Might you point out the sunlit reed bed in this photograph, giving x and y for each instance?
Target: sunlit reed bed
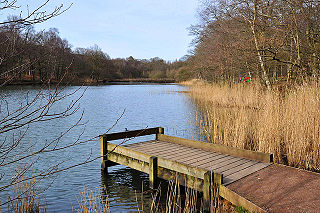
(284, 121)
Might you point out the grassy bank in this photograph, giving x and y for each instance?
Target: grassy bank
(284, 121)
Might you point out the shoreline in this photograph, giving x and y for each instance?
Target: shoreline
(96, 83)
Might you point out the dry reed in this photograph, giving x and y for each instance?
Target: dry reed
(92, 202)
(285, 122)
(24, 198)
(188, 201)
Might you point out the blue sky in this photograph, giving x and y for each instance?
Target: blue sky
(122, 28)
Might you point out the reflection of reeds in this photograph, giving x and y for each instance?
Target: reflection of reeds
(283, 122)
(91, 202)
(185, 200)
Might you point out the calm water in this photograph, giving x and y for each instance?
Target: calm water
(144, 105)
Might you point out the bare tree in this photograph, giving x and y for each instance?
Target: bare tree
(31, 16)
(19, 156)
(262, 38)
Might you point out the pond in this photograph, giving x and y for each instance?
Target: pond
(138, 106)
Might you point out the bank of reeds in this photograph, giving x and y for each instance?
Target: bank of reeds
(284, 121)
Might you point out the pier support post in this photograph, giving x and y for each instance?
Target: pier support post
(210, 181)
(153, 172)
(161, 131)
(207, 181)
(103, 153)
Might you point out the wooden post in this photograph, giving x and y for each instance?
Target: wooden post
(103, 152)
(153, 172)
(161, 131)
(217, 178)
(210, 181)
(207, 180)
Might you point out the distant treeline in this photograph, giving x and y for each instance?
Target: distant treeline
(269, 40)
(29, 56)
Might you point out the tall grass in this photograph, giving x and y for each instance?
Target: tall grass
(284, 121)
(24, 199)
(91, 201)
(178, 202)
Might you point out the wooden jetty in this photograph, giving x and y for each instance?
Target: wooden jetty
(245, 178)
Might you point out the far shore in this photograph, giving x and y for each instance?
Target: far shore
(94, 82)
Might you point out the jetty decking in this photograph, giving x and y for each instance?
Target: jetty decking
(239, 174)
(231, 168)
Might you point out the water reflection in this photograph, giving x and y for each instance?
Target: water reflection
(126, 189)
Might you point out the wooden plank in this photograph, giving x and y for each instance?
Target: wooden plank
(131, 134)
(244, 172)
(175, 153)
(163, 147)
(237, 200)
(181, 168)
(185, 180)
(240, 168)
(129, 162)
(150, 143)
(187, 156)
(128, 152)
(219, 163)
(139, 143)
(169, 152)
(216, 159)
(201, 157)
(179, 157)
(259, 156)
(231, 166)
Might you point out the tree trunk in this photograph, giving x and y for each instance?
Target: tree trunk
(262, 65)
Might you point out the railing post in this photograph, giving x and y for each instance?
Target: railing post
(153, 172)
(161, 131)
(103, 152)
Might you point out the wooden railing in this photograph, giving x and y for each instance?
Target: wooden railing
(131, 134)
(104, 149)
